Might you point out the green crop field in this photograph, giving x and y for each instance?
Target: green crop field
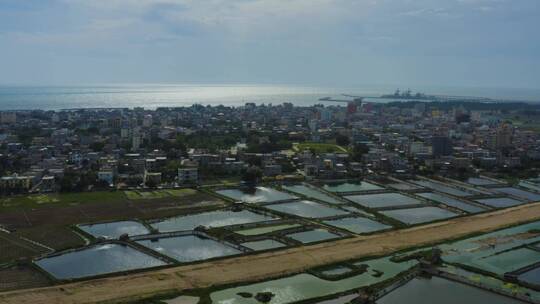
(159, 194)
(58, 199)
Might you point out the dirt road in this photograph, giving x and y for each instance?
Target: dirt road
(267, 265)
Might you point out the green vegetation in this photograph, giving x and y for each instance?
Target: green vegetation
(13, 247)
(37, 200)
(526, 122)
(48, 218)
(157, 194)
(358, 152)
(319, 147)
(227, 182)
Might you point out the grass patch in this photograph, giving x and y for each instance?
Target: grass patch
(132, 195)
(181, 192)
(13, 247)
(58, 199)
(43, 199)
(18, 277)
(157, 194)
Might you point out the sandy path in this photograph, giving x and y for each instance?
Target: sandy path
(267, 265)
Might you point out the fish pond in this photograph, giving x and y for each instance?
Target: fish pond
(259, 195)
(493, 251)
(479, 181)
(189, 248)
(500, 202)
(529, 196)
(531, 277)
(312, 236)
(97, 260)
(266, 229)
(313, 193)
(440, 187)
(304, 286)
(114, 230)
(263, 245)
(306, 209)
(351, 187)
(358, 224)
(507, 261)
(382, 200)
(452, 202)
(218, 218)
(419, 215)
(441, 291)
(403, 186)
(530, 185)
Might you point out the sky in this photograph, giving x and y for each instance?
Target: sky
(471, 43)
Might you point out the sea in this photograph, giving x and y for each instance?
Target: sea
(151, 96)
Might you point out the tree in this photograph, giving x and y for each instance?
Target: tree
(252, 175)
(358, 151)
(151, 184)
(342, 140)
(97, 146)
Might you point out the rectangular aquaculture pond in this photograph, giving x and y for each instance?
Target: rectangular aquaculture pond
(357, 224)
(303, 287)
(529, 196)
(312, 236)
(441, 291)
(307, 209)
(351, 187)
(97, 260)
(189, 248)
(266, 229)
(530, 185)
(507, 261)
(257, 195)
(442, 188)
(403, 186)
(531, 277)
(482, 247)
(500, 202)
(218, 218)
(479, 181)
(381, 200)
(313, 193)
(452, 202)
(263, 245)
(114, 230)
(419, 215)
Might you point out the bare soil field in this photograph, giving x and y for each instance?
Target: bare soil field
(12, 247)
(48, 223)
(268, 265)
(18, 277)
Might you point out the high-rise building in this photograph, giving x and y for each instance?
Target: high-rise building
(8, 117)
(503, 139)
(351, 107)
(441, 146)
(135, 140)
(147, 121)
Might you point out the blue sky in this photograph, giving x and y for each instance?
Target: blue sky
(487, 43)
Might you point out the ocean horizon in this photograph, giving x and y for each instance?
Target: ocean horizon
(151, 96)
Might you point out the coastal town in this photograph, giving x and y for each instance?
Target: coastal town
(269, 152)
(89, 149)
(370, 200)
